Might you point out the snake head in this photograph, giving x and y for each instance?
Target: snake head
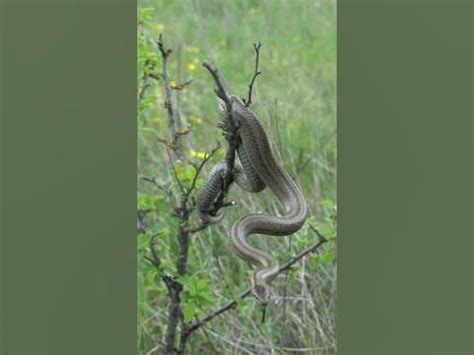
(262, 293)
(237, 103)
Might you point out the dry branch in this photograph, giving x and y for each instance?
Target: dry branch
(221, 92)
(165, 52)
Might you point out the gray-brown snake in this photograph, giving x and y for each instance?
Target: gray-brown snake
(259, 170)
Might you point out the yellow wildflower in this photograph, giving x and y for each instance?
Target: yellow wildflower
(195, 154)
(191, 66)
(160, 27)
(252, 11)
(195, 120)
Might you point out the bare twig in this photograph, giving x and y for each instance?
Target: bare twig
(256, 73)
(221, 92)
(201, 226)
(146, 79)
(167, 191)
(175, 173)
(165, 52)
(182, 85)
(145, 85)
(196, 325)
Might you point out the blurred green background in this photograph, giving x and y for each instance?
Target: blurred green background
(295, 98)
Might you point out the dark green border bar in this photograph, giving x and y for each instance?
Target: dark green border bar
(68, 168)
(405, 240)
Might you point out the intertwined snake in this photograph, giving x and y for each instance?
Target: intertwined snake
(258, 169)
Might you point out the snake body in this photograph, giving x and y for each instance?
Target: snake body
(260, 170)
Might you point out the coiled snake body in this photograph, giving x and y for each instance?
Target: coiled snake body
(260, 170)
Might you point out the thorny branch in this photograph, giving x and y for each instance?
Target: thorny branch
(196, 325)
(165, 52)
(182, 210)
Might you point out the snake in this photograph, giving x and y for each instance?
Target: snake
(257, 169)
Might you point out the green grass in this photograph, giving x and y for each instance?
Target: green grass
(295, 98)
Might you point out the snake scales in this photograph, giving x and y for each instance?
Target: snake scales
(257, 169)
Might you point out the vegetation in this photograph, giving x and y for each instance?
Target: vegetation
(185, 270)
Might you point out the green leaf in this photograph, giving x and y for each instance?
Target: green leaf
(144, 15)
(185, 280)
(328, 205)
(315, 262)
(191, 288)
(327, 258)
(142, 241)
(156, 199)
(206, 300)
(189, 310)
(144, 201)
(164, 232)
(202, 285)
(293, 273)
(150, 277)
(188, 174)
